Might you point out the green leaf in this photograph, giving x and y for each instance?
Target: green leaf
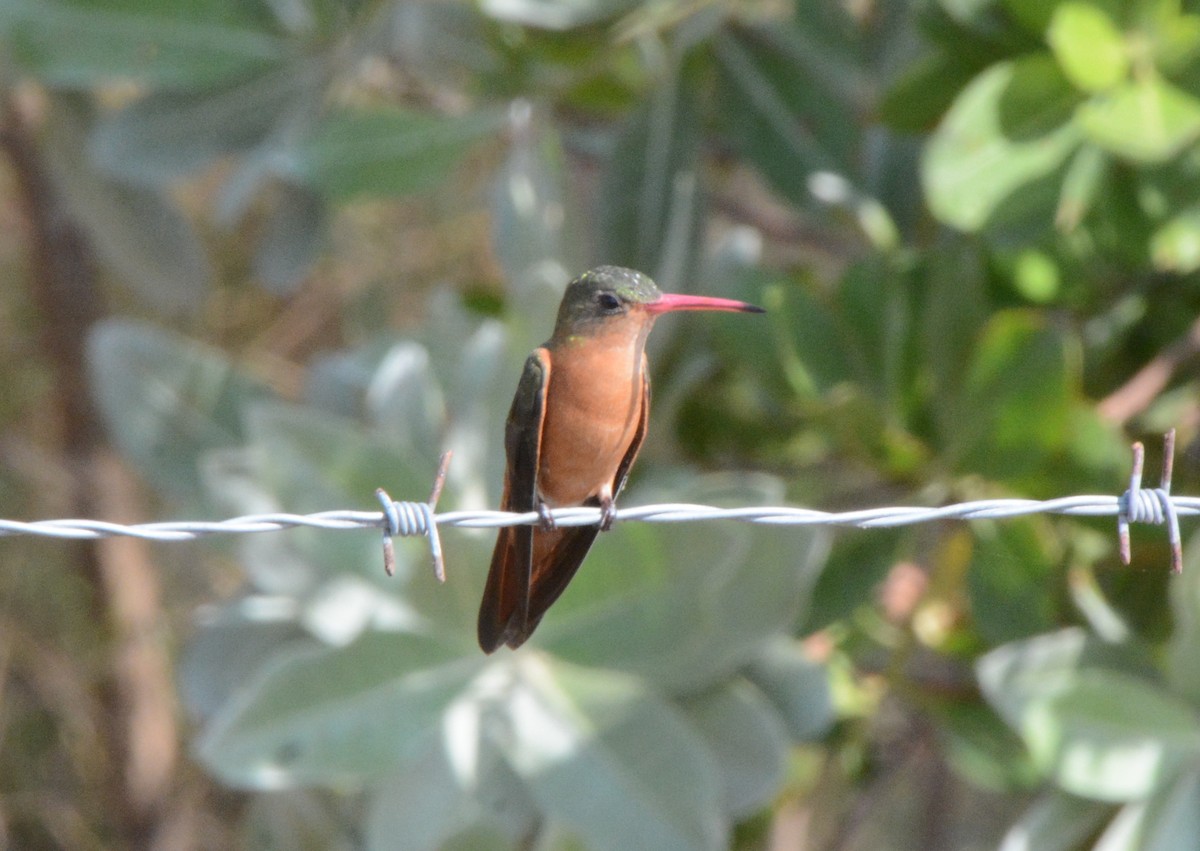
(293, 237)
(924, 91)
(166, 400)
(856, 566)
(1088, 46)
(1010, 580)
(955, 309)
(320, 716)
(604, 755)
(555, 14)
(814, 351)
(1182, 671)
(650, 198)
(170, 134)
(1146, 120)
(313, 459)
(430, 805)
(1014, 411)
(229, 646)
(1056, 821)
(1110, 736)
(797, 686)
(1010, 128)
(531, 221)
(988, 754)
(685, 606)
(1017, 675)
(404, 400)
(1175, 246)
(1081, 184)
(1034, 15)
(876, 312)
(781, 109)
(748, 739)
(171, 44)
(389, 151)
(1172, 815)
(1090, 713)
(294, 819)
(1174, 35)
(140, 235)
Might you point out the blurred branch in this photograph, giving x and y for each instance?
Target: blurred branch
(1136, 394)
(136, 712)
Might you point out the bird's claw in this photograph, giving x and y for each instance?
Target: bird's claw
(545, 521)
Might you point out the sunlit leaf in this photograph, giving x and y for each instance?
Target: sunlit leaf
(1175, 247)
(685, 605)
(1056, 821)
(1088, 46)
(554, 14)
(1146, 120)
(1080, 186)
(606, 756)
(1110, 736)
(321, 716)
(1009, 128)
(1014, 676)
(1172, 814)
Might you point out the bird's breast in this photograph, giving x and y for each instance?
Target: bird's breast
(593, 404)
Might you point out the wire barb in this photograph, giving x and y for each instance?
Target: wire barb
(414, 518)
(1151, 505)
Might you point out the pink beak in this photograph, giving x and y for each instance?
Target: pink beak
(676, 301)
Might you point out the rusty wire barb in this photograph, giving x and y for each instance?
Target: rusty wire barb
(1135, 505)
(1151, 505)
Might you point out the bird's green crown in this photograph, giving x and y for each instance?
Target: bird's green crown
(602, 292)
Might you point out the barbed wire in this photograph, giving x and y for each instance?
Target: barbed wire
(403, 519)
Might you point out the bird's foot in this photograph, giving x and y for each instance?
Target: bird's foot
(545, 521)
(608, 514)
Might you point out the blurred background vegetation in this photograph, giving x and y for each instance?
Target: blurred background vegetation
(273, 254)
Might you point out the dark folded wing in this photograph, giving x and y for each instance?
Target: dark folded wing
(504, 611)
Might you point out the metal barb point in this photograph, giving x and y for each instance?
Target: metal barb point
(414, 518)
(1138, 505)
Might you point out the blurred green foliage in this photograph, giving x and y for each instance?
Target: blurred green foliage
(971, 222)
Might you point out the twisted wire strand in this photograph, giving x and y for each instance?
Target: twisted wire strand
(418, 517)
(1135, 505)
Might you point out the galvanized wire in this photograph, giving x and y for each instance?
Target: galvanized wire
(1135, 505)
(673, 512)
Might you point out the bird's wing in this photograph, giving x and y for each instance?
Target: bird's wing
(504, 611)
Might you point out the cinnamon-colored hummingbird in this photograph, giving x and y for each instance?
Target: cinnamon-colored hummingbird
(574, 429)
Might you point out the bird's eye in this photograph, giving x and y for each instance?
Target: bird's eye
(608, 302)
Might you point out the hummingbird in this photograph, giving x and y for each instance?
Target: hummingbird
(575, 427)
